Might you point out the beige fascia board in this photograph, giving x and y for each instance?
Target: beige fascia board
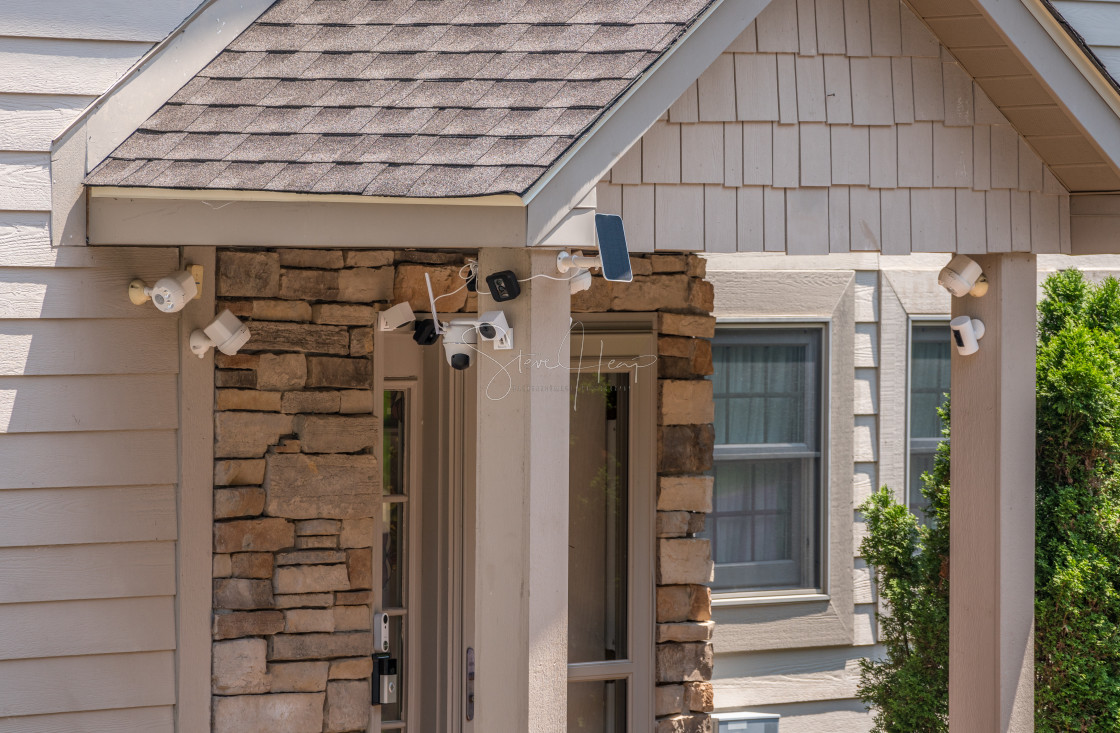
(222, 195)
(1093, 223)
(308, 222)
(1062, 67)
(581, 167)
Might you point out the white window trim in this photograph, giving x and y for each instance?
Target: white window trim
(748, 597)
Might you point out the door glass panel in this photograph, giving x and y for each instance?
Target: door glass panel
(394, 425)
(392, 571)
(598, 582)
(597, 707)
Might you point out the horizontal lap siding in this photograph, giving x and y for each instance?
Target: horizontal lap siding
(88, 407)
(878, 139)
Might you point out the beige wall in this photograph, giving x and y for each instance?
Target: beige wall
(844, 128)
(88, 407)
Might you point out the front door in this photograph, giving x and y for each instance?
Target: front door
(425, 584)
(610, 557)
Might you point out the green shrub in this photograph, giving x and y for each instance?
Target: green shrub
(908, 689)
(1077, 571)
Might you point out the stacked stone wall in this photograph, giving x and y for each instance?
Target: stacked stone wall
(674, 287)
(297, 479)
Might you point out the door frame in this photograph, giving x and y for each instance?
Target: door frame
(627, 343)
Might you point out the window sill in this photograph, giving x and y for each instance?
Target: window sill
(736, 600)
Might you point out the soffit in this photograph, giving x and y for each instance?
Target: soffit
(399, 98)
(1049, 125)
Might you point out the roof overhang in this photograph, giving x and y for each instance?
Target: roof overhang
(556, 211)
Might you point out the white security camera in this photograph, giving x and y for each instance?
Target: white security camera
(170, 294)
(967, 331)
(459, 339)
(963, 276)
(227, 333)
(395, 317)
(493, 326)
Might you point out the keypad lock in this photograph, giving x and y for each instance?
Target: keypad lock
(385, 681)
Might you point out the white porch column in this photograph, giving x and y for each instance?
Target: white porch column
(521, 554)
(991, 612)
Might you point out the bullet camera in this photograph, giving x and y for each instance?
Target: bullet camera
(226, 332)
(963, 276)
(462, 334)
(170, 294)
(967, 331)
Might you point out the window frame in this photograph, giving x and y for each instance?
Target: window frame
(802, 293)
(912, 321)
(744, 716)
(823, 327)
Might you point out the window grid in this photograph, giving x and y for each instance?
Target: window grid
(765, 523)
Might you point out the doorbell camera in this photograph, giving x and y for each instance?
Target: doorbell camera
(226, 332)
(170, 294)
(967, 332)
(380, 633)
(459, 339)
(963, 276)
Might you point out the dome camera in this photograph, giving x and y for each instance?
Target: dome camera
(963, 276)
(226, 332)
(459, 339)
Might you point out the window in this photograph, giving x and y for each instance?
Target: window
(929, 385)
(746, 723)
(766, 523)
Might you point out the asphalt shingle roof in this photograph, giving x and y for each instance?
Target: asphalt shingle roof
(420, 98)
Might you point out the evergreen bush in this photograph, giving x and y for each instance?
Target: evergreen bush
(1077, 551)
(908, 689)
(1077, 572)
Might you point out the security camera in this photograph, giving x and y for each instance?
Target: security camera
(170, 294)
(967, 331)
(963, 276)
(459, 339)
(227, 333)
(395, 317)
(493, 326)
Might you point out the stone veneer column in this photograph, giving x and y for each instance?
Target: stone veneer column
(674, 286)
(297, 484)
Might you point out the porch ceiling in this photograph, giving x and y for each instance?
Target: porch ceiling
(1036, 72)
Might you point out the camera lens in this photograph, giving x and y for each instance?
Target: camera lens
(487, 331)
(460, 361)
